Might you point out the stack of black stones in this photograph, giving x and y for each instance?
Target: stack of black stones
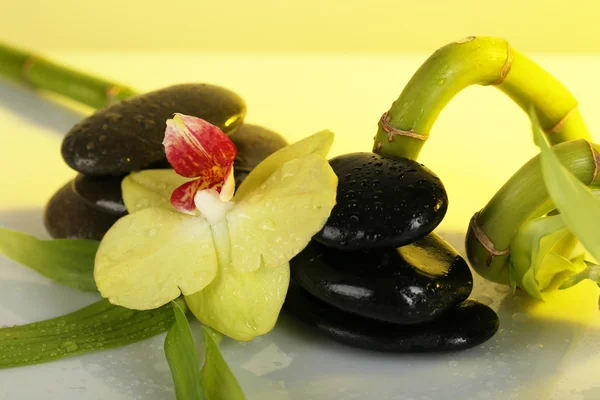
(376, 276)
(126, 137)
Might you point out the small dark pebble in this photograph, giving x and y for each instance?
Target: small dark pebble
(102, 193)
(468, 325)
(382, 202)
(128, 136)
(408, 285)
(68, 216)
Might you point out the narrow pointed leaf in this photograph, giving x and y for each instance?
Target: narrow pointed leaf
(99, 326)
(578, 206)
(183, 358)
(69, 262)
(218, 380)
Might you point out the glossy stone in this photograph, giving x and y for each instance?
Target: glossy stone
(102, 193)
(382, 202)
(128, 136)
(408, 285)
(467, 325)
(68, 216)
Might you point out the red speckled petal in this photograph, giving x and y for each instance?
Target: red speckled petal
(183, 197)
(196, 148)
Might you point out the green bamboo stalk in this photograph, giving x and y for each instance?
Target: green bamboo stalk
(476, 61)
(522, 198)
(27, 68)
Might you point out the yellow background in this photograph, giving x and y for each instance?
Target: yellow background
(300, 25)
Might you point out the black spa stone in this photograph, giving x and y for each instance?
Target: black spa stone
(101, 192)
(467, 325)
(128, 136)
(407, 285)
(382, 202)
(68, 216)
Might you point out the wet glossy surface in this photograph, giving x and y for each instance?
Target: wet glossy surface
(408, 285)
(466, 326)
(382, 202)
(128, 135)
(102, 193)
(68, 216)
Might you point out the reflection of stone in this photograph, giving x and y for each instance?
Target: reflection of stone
(269, 359)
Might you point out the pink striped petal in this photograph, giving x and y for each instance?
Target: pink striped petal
(196, 148)
(182, 198)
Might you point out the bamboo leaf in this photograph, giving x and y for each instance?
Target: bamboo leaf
(183, 358)
(99, 326)
(69, 262)
(219, 381)
(578, 206)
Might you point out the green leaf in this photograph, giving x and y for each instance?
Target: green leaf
(578, 206)
(591, 272)
(183, 358)
(219, 382)
(99, 326)
(70, 262)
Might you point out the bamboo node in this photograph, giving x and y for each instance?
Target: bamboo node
(506, 67)
(596, 158)
(560, 124)
(27, 66)
(392, 132)
(485, 240)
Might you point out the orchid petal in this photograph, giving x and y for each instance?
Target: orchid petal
(195, 148)
(275, 222)
(228, 187)
(242, 305)
(150, 257)
(318, 143)
(150, 188)
(183, 197)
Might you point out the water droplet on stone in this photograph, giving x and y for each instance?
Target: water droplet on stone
(453, 363)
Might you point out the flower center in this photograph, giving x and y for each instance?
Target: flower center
(210, 205)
